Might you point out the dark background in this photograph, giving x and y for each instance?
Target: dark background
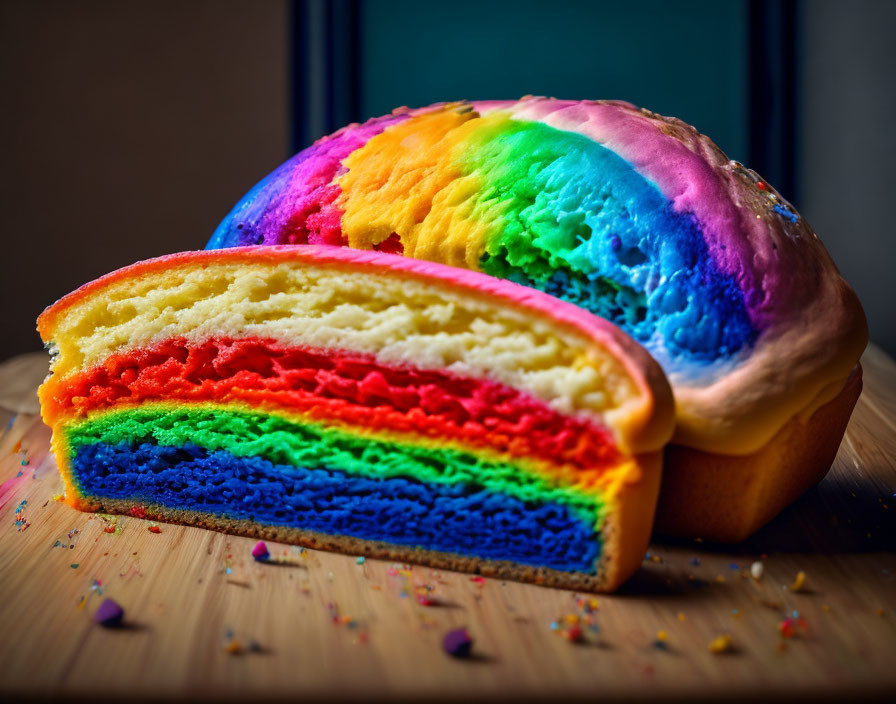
(130, 128)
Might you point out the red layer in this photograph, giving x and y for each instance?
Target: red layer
(337, 386)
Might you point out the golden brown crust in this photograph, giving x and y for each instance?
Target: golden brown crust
(627, 532)
(726, 498)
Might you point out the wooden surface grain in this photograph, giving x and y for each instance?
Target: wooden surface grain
(322, 626)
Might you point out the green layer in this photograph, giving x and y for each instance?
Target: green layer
(282, 441)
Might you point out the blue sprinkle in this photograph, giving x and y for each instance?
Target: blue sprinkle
(734, 566)
(695, 561)
(229, 570)
(795, 613)
(360, 560)
(784, 212)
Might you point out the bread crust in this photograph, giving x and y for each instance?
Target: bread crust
(727, 498)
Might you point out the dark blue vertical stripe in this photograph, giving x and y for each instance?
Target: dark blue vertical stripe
(772, 76)
(336, 68)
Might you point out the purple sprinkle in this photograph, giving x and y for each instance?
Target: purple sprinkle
(260, 551)
(109, 614)
(457, 643)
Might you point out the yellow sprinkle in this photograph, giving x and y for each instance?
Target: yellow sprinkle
(826, 608)
(594, 604)
(720, 579)
(571, 618)
(722, 644)
(681, 616)
(799, 583)
(662, 636)
(879, 612)
(234, 647)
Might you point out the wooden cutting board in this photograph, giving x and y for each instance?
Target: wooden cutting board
(322, 626)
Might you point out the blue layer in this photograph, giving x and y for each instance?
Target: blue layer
(458, 518)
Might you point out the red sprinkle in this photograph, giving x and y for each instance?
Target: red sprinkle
(138, 511)
(155, 529)
(573, 634)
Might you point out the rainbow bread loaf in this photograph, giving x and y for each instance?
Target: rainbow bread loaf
(637, 218)
(362, 402)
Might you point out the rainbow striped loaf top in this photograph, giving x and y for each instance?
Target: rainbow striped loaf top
(632, 216)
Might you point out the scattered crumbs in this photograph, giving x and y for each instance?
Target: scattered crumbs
(74, 565)
(575, 626)
(260, 552)
(791, 627)
(457, 643)
(21, 523)
(340, 619)
(361, 560)
(425, 595)
(111, 524)
(154, 529)
(681, 616)
(722, 644)
(757, 570)
(109, 614)
(799, 582)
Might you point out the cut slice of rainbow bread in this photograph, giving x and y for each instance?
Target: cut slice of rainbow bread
(360, 402)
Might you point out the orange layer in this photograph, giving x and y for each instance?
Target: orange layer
(335, 386)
